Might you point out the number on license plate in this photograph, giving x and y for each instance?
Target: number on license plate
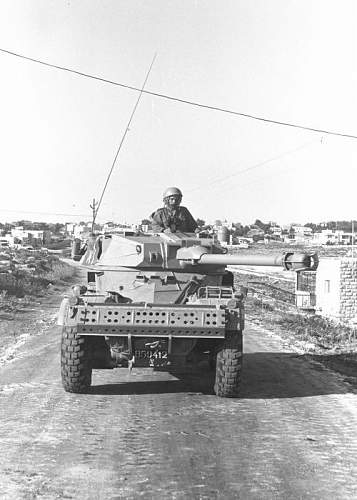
(145, 354)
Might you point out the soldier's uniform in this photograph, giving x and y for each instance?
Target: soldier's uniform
(175, 219)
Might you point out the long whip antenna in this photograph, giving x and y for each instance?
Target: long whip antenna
(95, 213)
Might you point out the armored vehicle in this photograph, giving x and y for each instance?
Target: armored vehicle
(154, 300)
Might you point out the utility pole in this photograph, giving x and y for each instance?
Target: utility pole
(353, 238)
(93, 206)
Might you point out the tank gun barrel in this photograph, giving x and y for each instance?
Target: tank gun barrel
(288, 260)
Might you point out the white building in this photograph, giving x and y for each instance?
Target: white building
(333, 237)
(82, 230)
(325, 237)
(276, 230)
(70, 227)
(25, 235)
(302, 231)
(336, 289)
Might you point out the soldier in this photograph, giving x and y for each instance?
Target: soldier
(172, 217)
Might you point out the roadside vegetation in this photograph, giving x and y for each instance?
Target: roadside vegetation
(31, 283)
(28, 274)
(270, 304)
(317, 332)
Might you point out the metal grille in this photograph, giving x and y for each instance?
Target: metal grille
(215, 292)
(192, 318)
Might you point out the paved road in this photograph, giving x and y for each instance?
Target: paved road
(292, 435)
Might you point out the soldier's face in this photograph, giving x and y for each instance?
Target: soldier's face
(173, 201)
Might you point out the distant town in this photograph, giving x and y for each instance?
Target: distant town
(24, 233)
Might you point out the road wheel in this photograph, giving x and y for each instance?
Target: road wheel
(229, 366)
(76, 366)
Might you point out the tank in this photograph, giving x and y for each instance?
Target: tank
(159, 300)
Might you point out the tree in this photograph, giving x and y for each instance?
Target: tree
(240, 230)
(313, 226)
(261, 225)
(26, 224)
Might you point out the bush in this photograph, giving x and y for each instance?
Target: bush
(21, 282)
(320, 330)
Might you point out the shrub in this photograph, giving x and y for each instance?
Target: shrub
(21, 282)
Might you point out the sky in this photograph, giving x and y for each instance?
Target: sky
(286, 60)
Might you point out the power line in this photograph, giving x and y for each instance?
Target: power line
(261, 179)
(86, 216)
(231, 186)
(183, 101)
(256, 165)
(41, 213)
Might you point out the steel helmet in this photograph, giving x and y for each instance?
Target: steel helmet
(172, 191)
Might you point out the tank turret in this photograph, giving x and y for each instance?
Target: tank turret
(179, 251)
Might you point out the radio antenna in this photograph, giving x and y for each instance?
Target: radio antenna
(95, 211)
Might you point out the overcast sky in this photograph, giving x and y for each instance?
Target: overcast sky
(292, 61)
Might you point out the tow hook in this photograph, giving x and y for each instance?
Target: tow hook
(153, 345)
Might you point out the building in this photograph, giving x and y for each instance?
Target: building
(276, 231)
(70, 228)
(336, 290)
(304, 231)
(82, 230)
(333, 237)
(347, 238)
(32, 237)
(325, 237)
(255, 233)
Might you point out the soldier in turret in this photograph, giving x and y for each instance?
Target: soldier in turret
(172, 217)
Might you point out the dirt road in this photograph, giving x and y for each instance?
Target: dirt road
(292, 434)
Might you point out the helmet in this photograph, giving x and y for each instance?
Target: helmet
(172, 191)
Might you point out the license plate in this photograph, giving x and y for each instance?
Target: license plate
(149, 351)
(144, 357)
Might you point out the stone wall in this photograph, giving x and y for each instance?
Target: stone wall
(336, 289)
(348, 290)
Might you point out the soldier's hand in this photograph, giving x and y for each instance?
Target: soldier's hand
(167, 230)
